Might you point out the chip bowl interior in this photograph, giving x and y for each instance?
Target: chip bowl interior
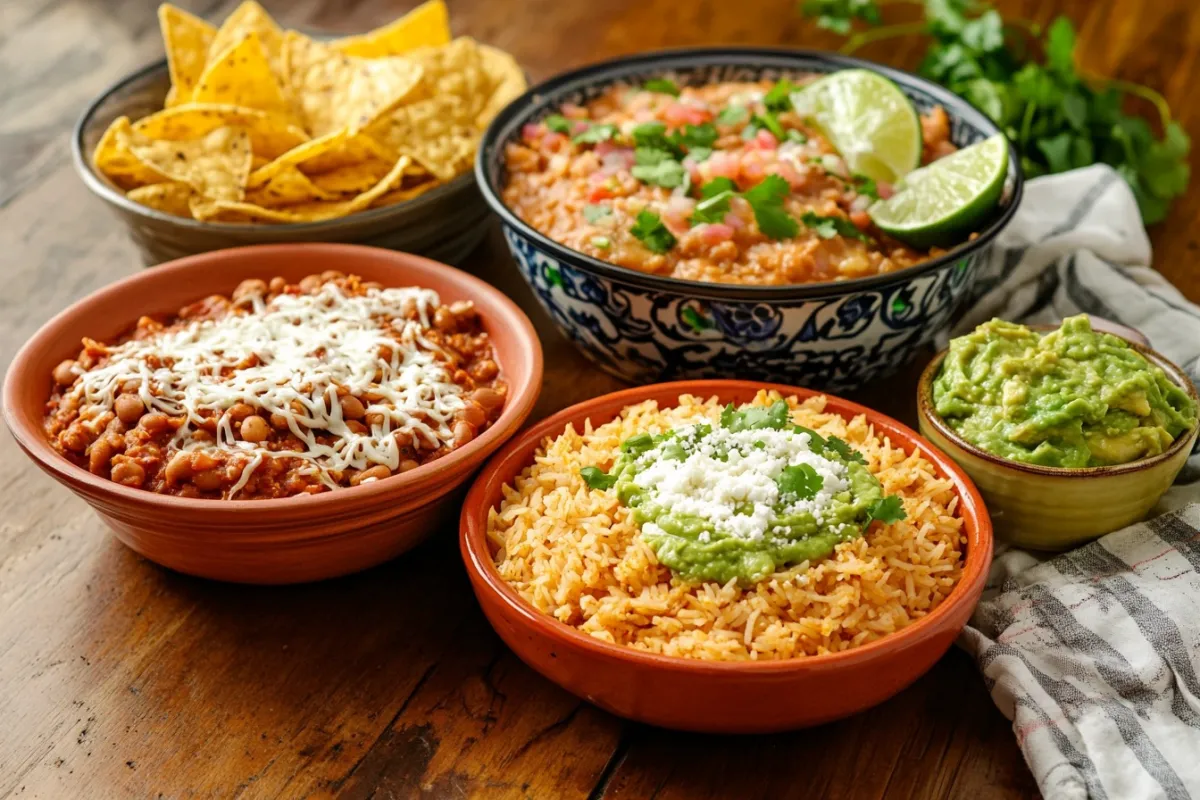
(444, 224)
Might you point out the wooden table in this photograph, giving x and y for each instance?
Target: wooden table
(120, 679)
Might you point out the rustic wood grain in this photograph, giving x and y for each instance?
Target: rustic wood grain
(119, 679)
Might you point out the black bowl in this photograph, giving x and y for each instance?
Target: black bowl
(640, 327)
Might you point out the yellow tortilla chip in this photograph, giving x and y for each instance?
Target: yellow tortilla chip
(232, 211)
(215, 165)
(186, 39)
(352, 178)
(246, 19)
(427, 25)
(508, 82)
(290, 186)
(242, 77)
(334, 150)
(270, 135)
(401, 195)
(170, 198)
(428, 131)
(113, 158)
(335, 92)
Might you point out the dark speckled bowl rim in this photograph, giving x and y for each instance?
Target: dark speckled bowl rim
(925, 410)
(99, 186)
(532, 102)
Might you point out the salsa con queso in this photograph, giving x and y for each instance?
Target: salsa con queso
(724, 182)
(1068, 398)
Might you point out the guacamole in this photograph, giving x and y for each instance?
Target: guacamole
(741, 498)
(1068, 398)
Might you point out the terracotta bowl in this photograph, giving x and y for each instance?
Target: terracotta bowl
(271, 541)
(1053, 508)
(716, 697)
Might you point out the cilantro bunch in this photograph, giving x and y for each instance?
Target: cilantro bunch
(1026, 79)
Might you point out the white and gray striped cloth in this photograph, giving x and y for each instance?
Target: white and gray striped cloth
(1095, 654)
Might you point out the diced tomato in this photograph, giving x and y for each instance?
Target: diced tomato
(554, 141)
(573, 111)
(766, 140)
(716, 232)
(789, 173)
(533, 131)
(579, 127)
(884, 189)
(601, 192)
(722, 164)
(685, 114)
(861, 219)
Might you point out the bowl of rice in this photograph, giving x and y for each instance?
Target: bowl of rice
(591, 593)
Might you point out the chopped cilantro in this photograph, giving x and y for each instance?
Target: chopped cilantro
(638, 443)
(716, 186)
(691, 136)
(844, 450)
(776, 417)
(768, 121)
(601, 242)
(712, 209)
(794, 135)
(597, 478)
(766, 198)
(779, 99)
(665, 172)
(801, 481)
(816, 440)
(829, 227)
(557, 123)
(662, 86)
(888, 509)
(596, 133)
(653, 136)
(594, 212)
(698, 154)
(649, 228)
(865, 185)
(733, 115)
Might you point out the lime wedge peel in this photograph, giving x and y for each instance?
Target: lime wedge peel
(866, 117)
(941, 203)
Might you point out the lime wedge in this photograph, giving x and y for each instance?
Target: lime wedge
(868, 119)
(940, 203)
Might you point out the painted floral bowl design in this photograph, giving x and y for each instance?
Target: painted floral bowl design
(646, 328)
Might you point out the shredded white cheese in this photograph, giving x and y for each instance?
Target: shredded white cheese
(739, 496)
(295, 350)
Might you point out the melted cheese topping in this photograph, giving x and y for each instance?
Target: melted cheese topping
(287, 357)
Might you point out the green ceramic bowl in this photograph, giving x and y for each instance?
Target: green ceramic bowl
(1053, 508)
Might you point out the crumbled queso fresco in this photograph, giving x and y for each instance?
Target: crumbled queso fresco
(731, 479)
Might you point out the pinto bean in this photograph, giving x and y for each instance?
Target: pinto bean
(484, 370)
(490, 399)
(209, 480)
(408, 464)
(444, 320)
(99, 455)
(154, 422)
(255, 429)
(463, 433)
(179, 468)
(239, 411)
(64, 373)
(129, 408)
(377, 472)
(249, 288)
(352, 407)
(127, 472)
(473, 414)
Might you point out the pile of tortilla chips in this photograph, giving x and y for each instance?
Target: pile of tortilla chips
(267, 125)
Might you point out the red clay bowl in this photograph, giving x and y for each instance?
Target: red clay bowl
(271, 541)
(716, 697)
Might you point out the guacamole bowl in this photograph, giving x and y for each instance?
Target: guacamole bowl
(712, 695)
(1056, 508)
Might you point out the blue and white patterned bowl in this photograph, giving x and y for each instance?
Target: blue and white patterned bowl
(647, 328)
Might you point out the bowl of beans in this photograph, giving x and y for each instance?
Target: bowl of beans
(275, 414)
(679, 214)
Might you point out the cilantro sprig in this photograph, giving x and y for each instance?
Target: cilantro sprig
(650, 230)
(766, 200)
(1026, 79)
(829, 227)
(662, 86)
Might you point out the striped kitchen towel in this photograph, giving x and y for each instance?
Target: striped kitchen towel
(1094, 654)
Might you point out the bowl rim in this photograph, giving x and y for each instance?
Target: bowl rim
(518, 405)
(485, 577)
(598, 73)
(928, 413)
(105, 191)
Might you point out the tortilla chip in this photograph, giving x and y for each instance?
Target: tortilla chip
(430, 133)
(246, 19)
(186, 39)
(352, 178)
(270, 135)
(402, 195)
(508, 82)
(232, 211)
(427, 25)
(334, 150)
(242, 77)
(335, 92)
(290, 186)
(170, 198)
(215, 165)
(113, 158)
